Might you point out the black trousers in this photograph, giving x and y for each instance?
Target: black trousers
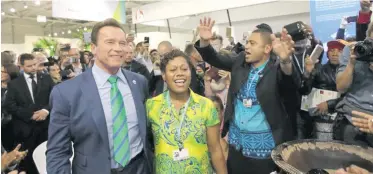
(30, 143)
(137, 165)
(239, 164)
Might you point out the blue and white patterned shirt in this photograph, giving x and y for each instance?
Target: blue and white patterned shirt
(249, 130)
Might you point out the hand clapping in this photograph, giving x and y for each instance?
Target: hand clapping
(363, 121)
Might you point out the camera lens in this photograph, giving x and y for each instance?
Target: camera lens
(317, 171)
(360, 49)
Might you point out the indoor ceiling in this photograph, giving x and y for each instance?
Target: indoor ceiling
(20, 18)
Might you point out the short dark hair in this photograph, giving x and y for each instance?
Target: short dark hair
(153, 50)
(7, 57)
(265, 26)
(171, 56)
(217, 37)
(265, 34)
(189, 49)
(12, 70)
(110, 22)
(24, 57)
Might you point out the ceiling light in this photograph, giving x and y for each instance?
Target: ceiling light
(37, 2)
(41, 18)
(55, 34)
(63, 32)
(69, 31)
(85, 28)
(12, 10)
(2, 13)
(25, 6)
(77, 29)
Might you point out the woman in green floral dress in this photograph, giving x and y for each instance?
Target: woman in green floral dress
(185, 125)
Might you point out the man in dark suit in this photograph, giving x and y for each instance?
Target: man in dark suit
(28, 102)
(102, 113)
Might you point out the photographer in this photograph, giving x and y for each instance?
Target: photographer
(354, 79)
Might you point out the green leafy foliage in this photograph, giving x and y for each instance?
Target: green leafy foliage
(48, 44)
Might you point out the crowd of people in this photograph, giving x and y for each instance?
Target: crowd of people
(122, 108)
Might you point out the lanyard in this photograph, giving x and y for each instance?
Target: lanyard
(255, 76)
(178, 131)
(296, 60)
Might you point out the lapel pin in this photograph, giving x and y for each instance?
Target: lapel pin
(134, 82)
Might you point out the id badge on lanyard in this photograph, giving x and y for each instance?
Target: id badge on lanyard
(181, 153)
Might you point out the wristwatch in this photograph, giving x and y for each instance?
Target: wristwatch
(286, 61)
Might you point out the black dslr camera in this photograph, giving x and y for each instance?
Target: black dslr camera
(297, 31)
(364, 50)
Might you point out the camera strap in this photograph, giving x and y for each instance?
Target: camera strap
(301, 69)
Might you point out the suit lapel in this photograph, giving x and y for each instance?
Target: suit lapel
(39, 84)
(25, 88)
(137, 97)
(90, 92)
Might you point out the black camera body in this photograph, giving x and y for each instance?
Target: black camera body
(297, 31)
(364, 50)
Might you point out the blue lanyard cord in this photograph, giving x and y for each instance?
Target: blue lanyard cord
(178, 131)
(255, 75)
(253, 79)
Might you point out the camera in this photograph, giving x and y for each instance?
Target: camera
(297, 31)
(364, 50)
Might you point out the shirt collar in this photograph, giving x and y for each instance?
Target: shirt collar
(102, 76)
(194, 98)
(261, 67)
(27, 76)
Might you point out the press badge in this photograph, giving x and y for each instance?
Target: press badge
(247, 103)
(180, 155)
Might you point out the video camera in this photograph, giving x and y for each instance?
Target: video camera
(297, 31)
(364, 50)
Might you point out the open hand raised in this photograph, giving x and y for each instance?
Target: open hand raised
(205, 28)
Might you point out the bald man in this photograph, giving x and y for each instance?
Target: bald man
(164, 47)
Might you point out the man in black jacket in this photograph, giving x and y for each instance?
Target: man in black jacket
(133, 65)
(255, 115)
(28, 102)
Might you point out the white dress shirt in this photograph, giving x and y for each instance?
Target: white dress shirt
(29, 85)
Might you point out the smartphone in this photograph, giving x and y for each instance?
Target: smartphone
(228, 32)
(316, 53)
(213, 73)
(146, 40)
(75, 60)
(352, 19)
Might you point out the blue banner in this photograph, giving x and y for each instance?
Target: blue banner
(326, 16)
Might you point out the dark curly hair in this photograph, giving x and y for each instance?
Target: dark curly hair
(171, 56)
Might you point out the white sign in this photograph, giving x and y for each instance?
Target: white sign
(172, 9)
(316, 97)
(92, 10)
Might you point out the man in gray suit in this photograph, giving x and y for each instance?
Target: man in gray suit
(102, 113)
